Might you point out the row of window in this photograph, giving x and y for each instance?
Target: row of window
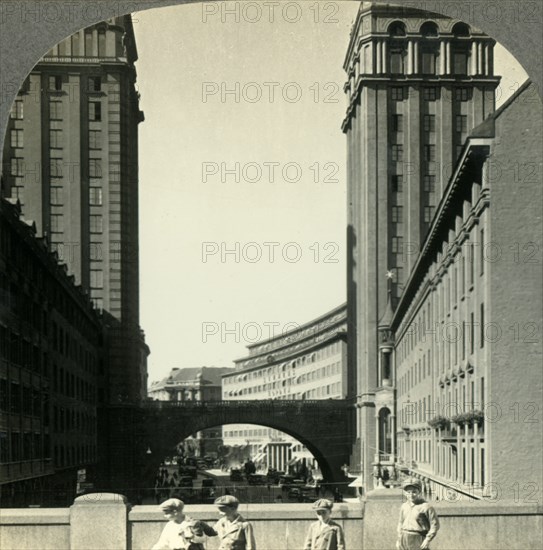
(72, 46)
(71, 455)
(32, 274)
(70, 419)
(17, 446)
(431, 93)
(71, 385)
(19, 398)
(459, 278)
(96, 223)
(285, 368)
(94, 83)
(460, 398)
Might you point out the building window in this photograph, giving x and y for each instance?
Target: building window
(397, 214)
(96, 278)
(429, 152)
(397, 123)
(482, 326)
(462, 94)
(461, 123)
(460, 62)
(96, 223)
(397, 183)
(94, 83)
(55, 196)
(56, 223)
(397, 58)
(398, 93)
(95, 168)
(17, 138)
(16, 166)
(428, 61)
(55, 83)
(88, 43)
(428, 214)
(429, 123)
(95, 196)
(55, 110)
(17, 110)
(471, 264)
(471, 333)
(55, 139)
(75, 45)
(429, 94)
(95, 139)
(429, 183)
(397, 244)
(101, 43)
(397, 152)
(55, 168)
(95, 111)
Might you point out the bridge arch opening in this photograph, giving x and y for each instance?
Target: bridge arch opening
(266, 444)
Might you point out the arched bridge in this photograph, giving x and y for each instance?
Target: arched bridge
(325, 427)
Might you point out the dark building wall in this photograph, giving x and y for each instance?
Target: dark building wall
(50, 350)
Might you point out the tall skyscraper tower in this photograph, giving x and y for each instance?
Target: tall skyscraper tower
(418, 82)
(71, 159)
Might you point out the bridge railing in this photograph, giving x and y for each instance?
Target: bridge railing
(271, 403)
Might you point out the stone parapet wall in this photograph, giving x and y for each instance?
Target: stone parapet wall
(106, 522)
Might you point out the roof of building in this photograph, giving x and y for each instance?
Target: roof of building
(487, 128)
(210, 376)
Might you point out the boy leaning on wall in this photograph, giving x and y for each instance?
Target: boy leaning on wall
(418, 523)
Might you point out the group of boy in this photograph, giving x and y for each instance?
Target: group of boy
(417, 526)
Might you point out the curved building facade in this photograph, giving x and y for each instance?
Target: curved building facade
(308, 362)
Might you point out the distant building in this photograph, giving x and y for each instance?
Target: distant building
(71, 159)
(51, 371)
(194, 384)
(309, 362)
(418, 83)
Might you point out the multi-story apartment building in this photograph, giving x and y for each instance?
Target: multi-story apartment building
(466, 335)
(71, 159)
(308, 362)
(51, 371)
(418, 82)
(194, 384)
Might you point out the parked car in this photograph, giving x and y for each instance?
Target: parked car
(257, 479)
(185, 481)
(285, 480)
(236, 475)
(274, 475)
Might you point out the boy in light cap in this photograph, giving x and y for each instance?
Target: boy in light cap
(181, 532)
(235, 533)
(324, 534)
(418, 523)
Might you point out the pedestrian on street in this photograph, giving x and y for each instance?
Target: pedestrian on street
(233, 530)
(181, 532)
(418, 523)
(324, 534)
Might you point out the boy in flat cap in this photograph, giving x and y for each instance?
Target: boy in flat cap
(181, 532)
(418, 523)
(235, 533)
(324, 534)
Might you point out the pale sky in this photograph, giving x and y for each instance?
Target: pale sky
(282, 134)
